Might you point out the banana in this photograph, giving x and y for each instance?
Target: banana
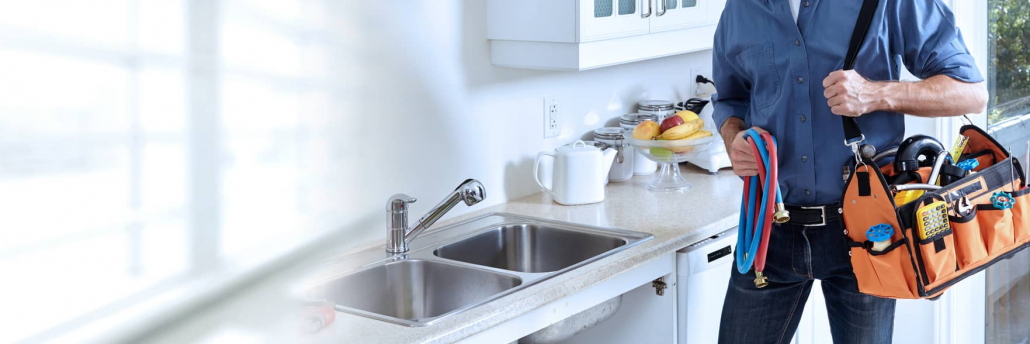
(698, 134)
(687, 115)
(683, 130)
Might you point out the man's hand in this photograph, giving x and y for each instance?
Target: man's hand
(850, 94)
(739, 150)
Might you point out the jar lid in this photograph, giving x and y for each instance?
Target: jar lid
(655, 105)
(609, 133)
(582, 146)
(633, 119)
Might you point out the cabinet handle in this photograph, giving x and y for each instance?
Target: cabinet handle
(648, 14)
(663, 7)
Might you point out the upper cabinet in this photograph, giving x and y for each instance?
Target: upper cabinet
(587, 34)
(682, 14)
(605, 19)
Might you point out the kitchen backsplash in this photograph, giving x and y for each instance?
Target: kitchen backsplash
(427, 109)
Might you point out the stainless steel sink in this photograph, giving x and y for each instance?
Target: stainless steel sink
(530, 247)
(458, 267)
(414, 289)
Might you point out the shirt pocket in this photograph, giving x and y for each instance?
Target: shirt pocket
(760, 65)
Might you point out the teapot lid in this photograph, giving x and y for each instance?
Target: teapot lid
(582, 147)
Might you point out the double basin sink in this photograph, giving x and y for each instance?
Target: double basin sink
(458, 267)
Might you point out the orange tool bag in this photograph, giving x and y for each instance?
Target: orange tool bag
(945, 235)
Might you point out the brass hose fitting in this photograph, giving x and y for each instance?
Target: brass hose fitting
(760, 280)
(782, 215)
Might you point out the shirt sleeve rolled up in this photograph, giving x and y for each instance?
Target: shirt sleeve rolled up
(923, 32)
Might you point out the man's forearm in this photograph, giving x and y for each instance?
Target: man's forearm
(937, 96)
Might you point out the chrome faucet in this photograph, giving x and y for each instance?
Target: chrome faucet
(398, 234)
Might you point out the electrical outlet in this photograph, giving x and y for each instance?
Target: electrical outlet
(552, 117)
(702, 90)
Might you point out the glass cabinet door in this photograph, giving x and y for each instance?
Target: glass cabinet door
(605, 19)
(681, 14)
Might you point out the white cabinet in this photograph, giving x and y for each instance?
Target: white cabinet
(682, 14)
(587, 34)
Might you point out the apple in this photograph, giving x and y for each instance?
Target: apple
(646, 130)
(671, 122)
(661, 153)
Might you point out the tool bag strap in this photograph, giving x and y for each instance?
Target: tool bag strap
(852, 133)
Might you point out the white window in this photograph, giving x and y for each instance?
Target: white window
(1008, 119)
(147, 143)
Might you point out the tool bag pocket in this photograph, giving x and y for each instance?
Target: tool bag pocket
(1021, 215)
(887, 273)
(969, 243)
(937, 258)
(996, 228)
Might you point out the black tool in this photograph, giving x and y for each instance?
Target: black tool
(915, 152)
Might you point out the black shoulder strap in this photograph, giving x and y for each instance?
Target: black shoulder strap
(852, 133)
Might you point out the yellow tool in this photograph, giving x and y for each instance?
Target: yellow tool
(960, 145)
(933, 219)
(906, 196)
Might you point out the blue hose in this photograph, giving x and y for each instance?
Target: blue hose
(751, 224)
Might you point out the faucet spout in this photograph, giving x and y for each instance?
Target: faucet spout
(470, 192)
(399, 235)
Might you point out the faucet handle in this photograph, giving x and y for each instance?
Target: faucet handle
(399, 203)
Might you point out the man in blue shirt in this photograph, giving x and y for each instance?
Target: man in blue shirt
(777, 67)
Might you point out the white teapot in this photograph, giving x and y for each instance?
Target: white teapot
(579, 174)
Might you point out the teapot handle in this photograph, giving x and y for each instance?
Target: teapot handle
(536, 170)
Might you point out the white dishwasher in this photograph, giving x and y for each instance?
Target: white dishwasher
(702, 274)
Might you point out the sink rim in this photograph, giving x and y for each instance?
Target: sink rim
(370, 258)
(627, 237)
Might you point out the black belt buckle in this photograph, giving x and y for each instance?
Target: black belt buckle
(822, 216)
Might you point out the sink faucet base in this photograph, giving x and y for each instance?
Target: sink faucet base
(398, 234)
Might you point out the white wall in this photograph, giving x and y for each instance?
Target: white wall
(429, 110)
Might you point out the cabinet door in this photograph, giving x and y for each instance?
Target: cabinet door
(604, 19)
(681, 14)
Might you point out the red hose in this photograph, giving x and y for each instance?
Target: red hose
(763, 246)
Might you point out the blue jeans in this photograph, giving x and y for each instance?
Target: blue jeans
(798, 256)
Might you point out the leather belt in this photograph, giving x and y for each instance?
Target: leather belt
(815, 215)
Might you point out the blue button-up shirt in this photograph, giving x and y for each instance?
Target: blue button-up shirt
(768, 70)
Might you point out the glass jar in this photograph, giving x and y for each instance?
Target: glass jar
(622, 167)
(641, 164)
(661, 108)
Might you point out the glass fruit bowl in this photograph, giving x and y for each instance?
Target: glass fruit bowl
(669, 153)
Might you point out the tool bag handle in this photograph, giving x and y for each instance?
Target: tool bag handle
(852, 133)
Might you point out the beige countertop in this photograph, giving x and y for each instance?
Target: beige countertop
(676, 220)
